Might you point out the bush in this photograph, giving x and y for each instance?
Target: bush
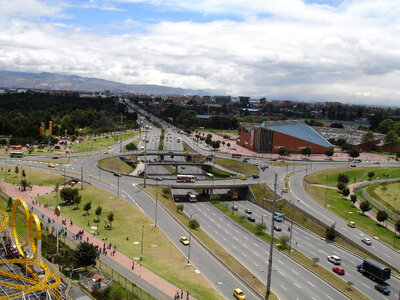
(353, 198)
(341, 186)
(397, 226)
(365, 206)
(194, 224)
(130, 147)
(345, 192)
(260, 228)
(343, 178)
(381, 215)
(330, 233)
(370, 175)
(179, 207)
(166, 190)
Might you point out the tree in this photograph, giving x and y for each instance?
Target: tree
(370, 175)
(16, 170)
(86, 254)
(365, 206)
(77, 200)
(330, 232)
(215, 144)
(353, 198)
(229, 145)
(10, 203)
(284, 240)
(194, 224)
(260, 228)
(341, 186)
(23, 173)
(68, 194)
(283, 151)
(391, 139)
(98, 211)
(345, 192)
(354, 153)
(209, 139)
(329, 153)
(381, 216)
(179, 208)
(315, 260)
(130, 147)
(306, 151)
(110, 218)
(368, 138)
(24, 184)
(343, 178)
(87, 207)
(386, 125)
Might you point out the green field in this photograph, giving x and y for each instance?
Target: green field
(114, 164)
(234, 132)
(102, 142)
(354, 174)
(385, 193)
(34, 176)
(237, 166)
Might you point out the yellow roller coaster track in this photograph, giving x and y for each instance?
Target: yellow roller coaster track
(29, 261)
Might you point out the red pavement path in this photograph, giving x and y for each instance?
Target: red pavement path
(29, 196)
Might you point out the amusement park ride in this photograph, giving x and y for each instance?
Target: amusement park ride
(23, 274)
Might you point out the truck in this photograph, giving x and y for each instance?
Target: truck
(191, 197)
(374, 270)
(232, 194)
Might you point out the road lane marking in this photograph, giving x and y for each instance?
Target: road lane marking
(281, 262)
(283, 287)
(386, 255)
(365, 285)
(297, 285)
(295, 272)
(310, 283)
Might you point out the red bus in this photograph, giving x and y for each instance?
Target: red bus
(185, 178)
(236, 155)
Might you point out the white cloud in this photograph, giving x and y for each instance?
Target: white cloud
(347, 53)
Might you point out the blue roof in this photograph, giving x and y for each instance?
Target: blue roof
(297, 129)
(203, 116)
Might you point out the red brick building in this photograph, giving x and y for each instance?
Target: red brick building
(294, 135)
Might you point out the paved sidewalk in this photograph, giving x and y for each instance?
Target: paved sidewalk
(120, 259)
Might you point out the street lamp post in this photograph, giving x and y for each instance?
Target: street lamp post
(190, 238)
(157, 179)
(141, 250)
(145, 159)
(291, 228)
(271, 244)
(326, 189)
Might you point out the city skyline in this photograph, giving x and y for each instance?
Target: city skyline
(304, 50)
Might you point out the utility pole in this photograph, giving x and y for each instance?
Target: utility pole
(326, 189)
(271, 244)
(291, 227)
(190, 237)
(141, 251)
(120, 137)
(145, 159)
(81, 178)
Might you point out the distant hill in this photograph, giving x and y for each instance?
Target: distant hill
(52, 81)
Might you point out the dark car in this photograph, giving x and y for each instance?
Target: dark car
(248, 211)
(117, 174)
(383, 289)
(251, 219)
(256, 176)
(277, 228)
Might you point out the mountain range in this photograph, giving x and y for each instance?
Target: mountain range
(53, 81)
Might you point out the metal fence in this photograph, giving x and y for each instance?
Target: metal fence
(392, 212)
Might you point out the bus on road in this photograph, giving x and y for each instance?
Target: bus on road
(236, 155)
(185, 178)
(17, 154)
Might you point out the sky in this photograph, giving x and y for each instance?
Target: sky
(306, 50)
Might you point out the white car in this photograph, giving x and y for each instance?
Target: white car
(367, 241)
(334, 259)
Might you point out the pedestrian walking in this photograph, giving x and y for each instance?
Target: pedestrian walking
(133, 265)
(187, 295)
(181, 294)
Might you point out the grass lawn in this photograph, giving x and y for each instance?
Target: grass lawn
(297, 256)
(386, 193)
(114, 164)
(34, 176)
(226, 257)
(345, 209)
(354, 174)
(159, 254)
(219, 131)
(237, 166)
(102, 142)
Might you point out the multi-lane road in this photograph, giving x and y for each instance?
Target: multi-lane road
(289, 280)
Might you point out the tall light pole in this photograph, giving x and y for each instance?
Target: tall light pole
(291, 227)
(190, 237)
(145, 159)
(120, 137)
(141, 251)
(326, 189)
(99, 166)
(157, 179)
(271, 244)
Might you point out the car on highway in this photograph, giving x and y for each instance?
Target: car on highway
(243, 177)
(351, 224)
(278, 214)
(251, 219)
(184, 240)
(234, 207)
(238, 294)
(278, 219)
(117, 174)
(106, 152)
(55, 157)
(51, 165)
(248, 211)
(383, 289)
(109, 147)
(255, 176)
(367, 241)
(277, 228)
(338, 270)
(285, 190)
(353, 166)
(334, 259)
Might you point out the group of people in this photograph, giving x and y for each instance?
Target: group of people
(179, 295)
